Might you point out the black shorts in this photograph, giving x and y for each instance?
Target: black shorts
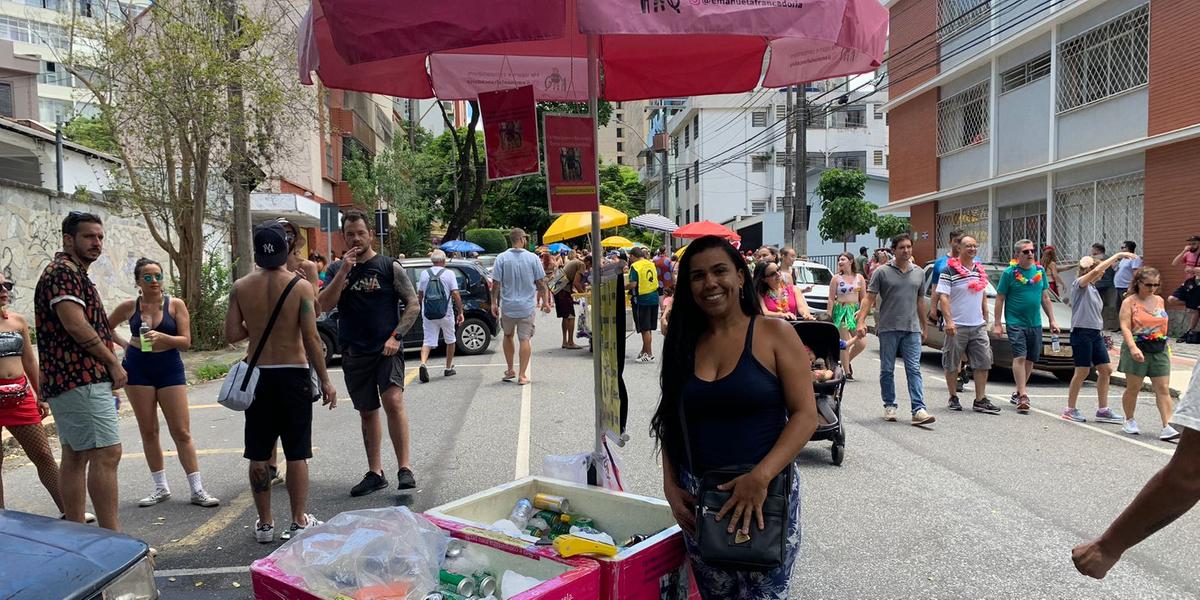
(645, 317)
(564, 304)
(282, 409)
(369, 375)
(1189, 294)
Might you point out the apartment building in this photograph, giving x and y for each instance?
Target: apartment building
(1067, 122)
(727, 155)
(622, 141)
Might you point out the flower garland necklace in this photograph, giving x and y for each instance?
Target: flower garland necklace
(978, 284)
(780, 297)
(1021, 278)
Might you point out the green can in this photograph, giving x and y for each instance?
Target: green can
(548, 516)
(485, 584)
(460, 584)
(448, 595)
(584, 523)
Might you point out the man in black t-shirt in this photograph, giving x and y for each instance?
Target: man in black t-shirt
(367, 288)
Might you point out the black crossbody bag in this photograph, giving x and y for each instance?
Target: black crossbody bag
(762, 550)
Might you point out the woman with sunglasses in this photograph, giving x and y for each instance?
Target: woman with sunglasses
(296, 262)
(156, 377)
(846, 292)
(1144, 351)
(778, 298)
(21, 406)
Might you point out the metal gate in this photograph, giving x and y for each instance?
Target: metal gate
(973, 220)
(1108, 211)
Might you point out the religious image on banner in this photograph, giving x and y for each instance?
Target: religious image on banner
(509, 132)
(570, 163)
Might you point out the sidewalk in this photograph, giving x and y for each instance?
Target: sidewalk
(1183, 360)
(191, 362)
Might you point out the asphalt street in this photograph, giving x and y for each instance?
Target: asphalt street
(974, 506)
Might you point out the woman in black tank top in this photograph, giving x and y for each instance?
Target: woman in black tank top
(747, 400)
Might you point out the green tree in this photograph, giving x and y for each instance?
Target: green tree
(845, 212)
(92, 132)
(391, 179)
(889, 226)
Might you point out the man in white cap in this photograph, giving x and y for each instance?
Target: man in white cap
(441, 311)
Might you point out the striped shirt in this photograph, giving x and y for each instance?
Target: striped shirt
(966, 306)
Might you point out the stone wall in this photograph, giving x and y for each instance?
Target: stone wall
(30, 234)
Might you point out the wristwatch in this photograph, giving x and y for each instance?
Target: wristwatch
(396, 336)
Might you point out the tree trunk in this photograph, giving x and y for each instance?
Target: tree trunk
(472, 178)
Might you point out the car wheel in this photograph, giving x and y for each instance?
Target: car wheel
(473, 337)
(327, 348)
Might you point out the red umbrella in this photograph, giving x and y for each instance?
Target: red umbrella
(700, 229)
(455, 49)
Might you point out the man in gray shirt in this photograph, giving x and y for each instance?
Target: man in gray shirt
(896, 288)
(518, 288)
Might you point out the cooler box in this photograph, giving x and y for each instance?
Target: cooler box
(653, 568)
(565, 578)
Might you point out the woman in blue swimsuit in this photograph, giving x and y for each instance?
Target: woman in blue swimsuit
(746, 401)
(156, 378)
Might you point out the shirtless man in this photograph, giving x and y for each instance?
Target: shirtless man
(282, 407)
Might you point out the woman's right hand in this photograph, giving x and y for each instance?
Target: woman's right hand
(1137, 355)
(683, 506)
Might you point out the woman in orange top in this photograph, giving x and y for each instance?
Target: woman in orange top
(1144, 351)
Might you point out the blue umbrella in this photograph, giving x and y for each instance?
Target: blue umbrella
(558, 247)
(461, 246)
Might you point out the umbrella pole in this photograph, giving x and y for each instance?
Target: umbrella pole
(597, 253)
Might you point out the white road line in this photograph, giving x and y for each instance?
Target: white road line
(1122, 437)
(522, 467)
(194, 572)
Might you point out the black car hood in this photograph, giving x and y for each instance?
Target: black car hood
(42, 557)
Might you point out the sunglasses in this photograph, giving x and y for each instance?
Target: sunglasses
(7, 285)
(773, 274)
(1152, 285)
(152, 277)
(1028, 251)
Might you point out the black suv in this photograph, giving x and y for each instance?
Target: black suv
(474, 335)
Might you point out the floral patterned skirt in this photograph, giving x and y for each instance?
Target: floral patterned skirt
(743, 585)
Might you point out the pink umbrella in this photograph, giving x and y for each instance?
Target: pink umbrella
(455, 49)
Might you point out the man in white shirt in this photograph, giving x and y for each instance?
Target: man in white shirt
(449, 304)
(1170, 494)
(962, 293)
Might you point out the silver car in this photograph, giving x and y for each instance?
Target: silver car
(1060, 363)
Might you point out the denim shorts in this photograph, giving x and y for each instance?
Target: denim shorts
(1026, 342)
(1088, 348)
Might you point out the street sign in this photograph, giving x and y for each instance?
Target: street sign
(331, 218)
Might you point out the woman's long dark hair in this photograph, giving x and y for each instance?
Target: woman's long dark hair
(761, 285)
(684, 328)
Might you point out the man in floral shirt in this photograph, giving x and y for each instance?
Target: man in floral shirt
(80, 371)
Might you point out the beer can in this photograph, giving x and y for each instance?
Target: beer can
(548, 516)
(584, 523)
(552, 502)
(431, 596)
(460, 584)
(485, 584)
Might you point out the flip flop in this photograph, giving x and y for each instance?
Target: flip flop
(524, 381)
(509, 376)
(573, 347)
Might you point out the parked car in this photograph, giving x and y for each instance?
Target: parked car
(816, 276)
(51, 558)
(1060, 363)
(474, 335)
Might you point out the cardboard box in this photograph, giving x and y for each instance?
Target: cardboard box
(653, 569)
(564, 578)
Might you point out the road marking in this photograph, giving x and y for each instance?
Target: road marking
(224, 517)
(199, 452)
(201, 406)
(412, 374)
(195, 572)
(1122, 437)
(522, 467)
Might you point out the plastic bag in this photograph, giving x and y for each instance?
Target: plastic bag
(567, 467)
(374, 554)
(582, 330)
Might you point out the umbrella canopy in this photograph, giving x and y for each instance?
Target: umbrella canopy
(460, 246)
(616, 241)
(679, 252)
(702, 228)
(456, 49)
(559, 247)
(654, 222)
(576, 224)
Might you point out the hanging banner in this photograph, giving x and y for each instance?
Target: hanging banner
(606, 333)
(570, 163)
(509, 132)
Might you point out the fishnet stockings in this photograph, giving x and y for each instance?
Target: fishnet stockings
(36, 445)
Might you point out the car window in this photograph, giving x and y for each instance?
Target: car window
(414, 273)
(811, 276)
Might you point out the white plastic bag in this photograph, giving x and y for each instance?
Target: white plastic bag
(582, 330)
(567, 467)
(358, 551)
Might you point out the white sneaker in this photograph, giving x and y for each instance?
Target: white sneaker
(889, 413)
(297, 529)
(1168, 434)
(264, 533)
(922, 417)
(159, 496)
(1131, 427)
(87, 517)
(203, 498)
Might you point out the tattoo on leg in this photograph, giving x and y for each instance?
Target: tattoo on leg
(260, 480)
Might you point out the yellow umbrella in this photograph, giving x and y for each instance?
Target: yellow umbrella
(572, 225)
(616, 241)
(679, 252)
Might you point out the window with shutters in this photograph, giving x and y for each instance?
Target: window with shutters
(1105, 61)
(782, 158)
(758, 164)
(6, 99)
(780, 112)
(878, 158)
(1026, 73)
(687, 136)
(758, 118)
(878, 113)
(758, 207)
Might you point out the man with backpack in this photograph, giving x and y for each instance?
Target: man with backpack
(435, 288)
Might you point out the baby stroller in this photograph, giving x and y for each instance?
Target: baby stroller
(822, 337)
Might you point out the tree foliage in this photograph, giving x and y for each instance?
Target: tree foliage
(160, 81)
(845, 212)
(92, 132)
(390, 180)
(890, 226)
(493, 241)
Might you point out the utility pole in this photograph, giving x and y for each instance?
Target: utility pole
(666, 196)
(412, 124)
(789, 200)
(239, 172)
(799, 224)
